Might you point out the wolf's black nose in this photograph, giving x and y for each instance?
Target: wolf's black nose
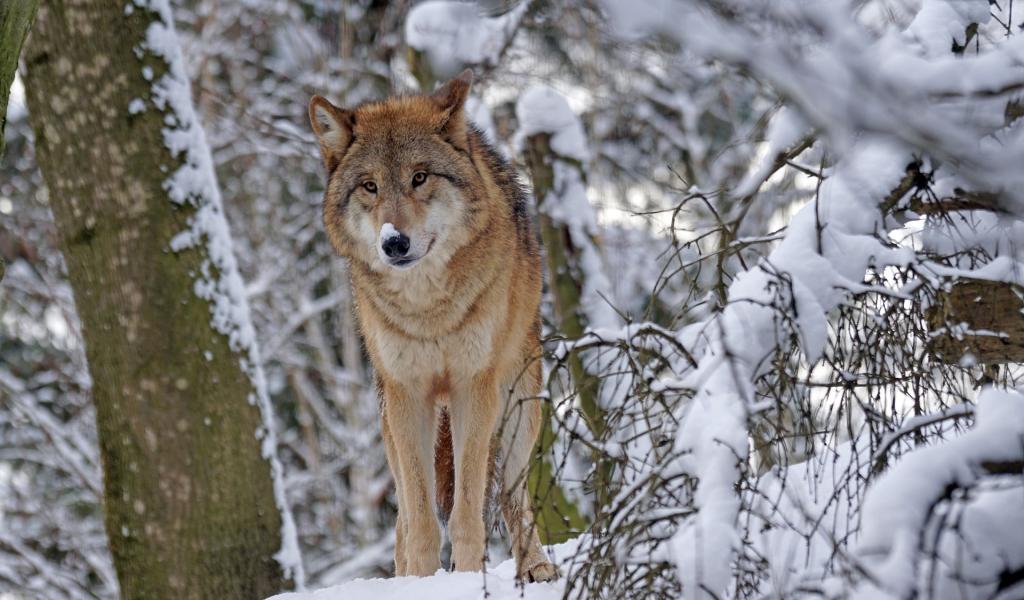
(396, 246)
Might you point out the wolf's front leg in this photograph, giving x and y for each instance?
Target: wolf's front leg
(411, 458)
(401, 528)
(474, 414)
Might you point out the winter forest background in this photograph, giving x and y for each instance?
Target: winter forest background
(783, 313)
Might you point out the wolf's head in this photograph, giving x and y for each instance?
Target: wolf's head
(402, 185)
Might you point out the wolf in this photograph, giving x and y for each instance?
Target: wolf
(446, 275)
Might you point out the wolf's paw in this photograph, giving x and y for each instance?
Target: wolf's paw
(544, 571)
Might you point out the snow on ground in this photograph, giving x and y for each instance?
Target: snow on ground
(498, 584)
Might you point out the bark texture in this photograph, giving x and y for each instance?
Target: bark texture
(189, 502)
(983, 319)
(15, 20)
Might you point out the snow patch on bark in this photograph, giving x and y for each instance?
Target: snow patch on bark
(543, 110)
(455, 35)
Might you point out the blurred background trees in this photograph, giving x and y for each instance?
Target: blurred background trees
(706, 126)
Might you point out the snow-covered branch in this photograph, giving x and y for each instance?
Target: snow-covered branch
(900, 505)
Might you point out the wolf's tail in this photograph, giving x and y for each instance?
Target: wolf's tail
(444, 468)
(444, 474)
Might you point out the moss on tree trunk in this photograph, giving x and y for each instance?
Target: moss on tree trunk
(189, 503)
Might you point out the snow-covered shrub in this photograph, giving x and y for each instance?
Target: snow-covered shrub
(814, 371)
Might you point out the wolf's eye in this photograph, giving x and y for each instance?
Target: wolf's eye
(370, 187)
(418, 178)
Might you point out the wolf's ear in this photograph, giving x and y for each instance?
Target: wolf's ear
(333, 128)
(451, 100)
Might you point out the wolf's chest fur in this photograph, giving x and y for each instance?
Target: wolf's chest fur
(435, 323)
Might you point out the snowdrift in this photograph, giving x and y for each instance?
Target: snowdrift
(499, 583)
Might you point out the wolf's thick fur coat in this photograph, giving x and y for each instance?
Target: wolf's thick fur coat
(453, 327)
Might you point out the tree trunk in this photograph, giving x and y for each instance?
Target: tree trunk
(15, 20)
(190, 507)
(566, 277)
(566, 284)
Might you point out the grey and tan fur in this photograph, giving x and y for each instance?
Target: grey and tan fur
(448, 303)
